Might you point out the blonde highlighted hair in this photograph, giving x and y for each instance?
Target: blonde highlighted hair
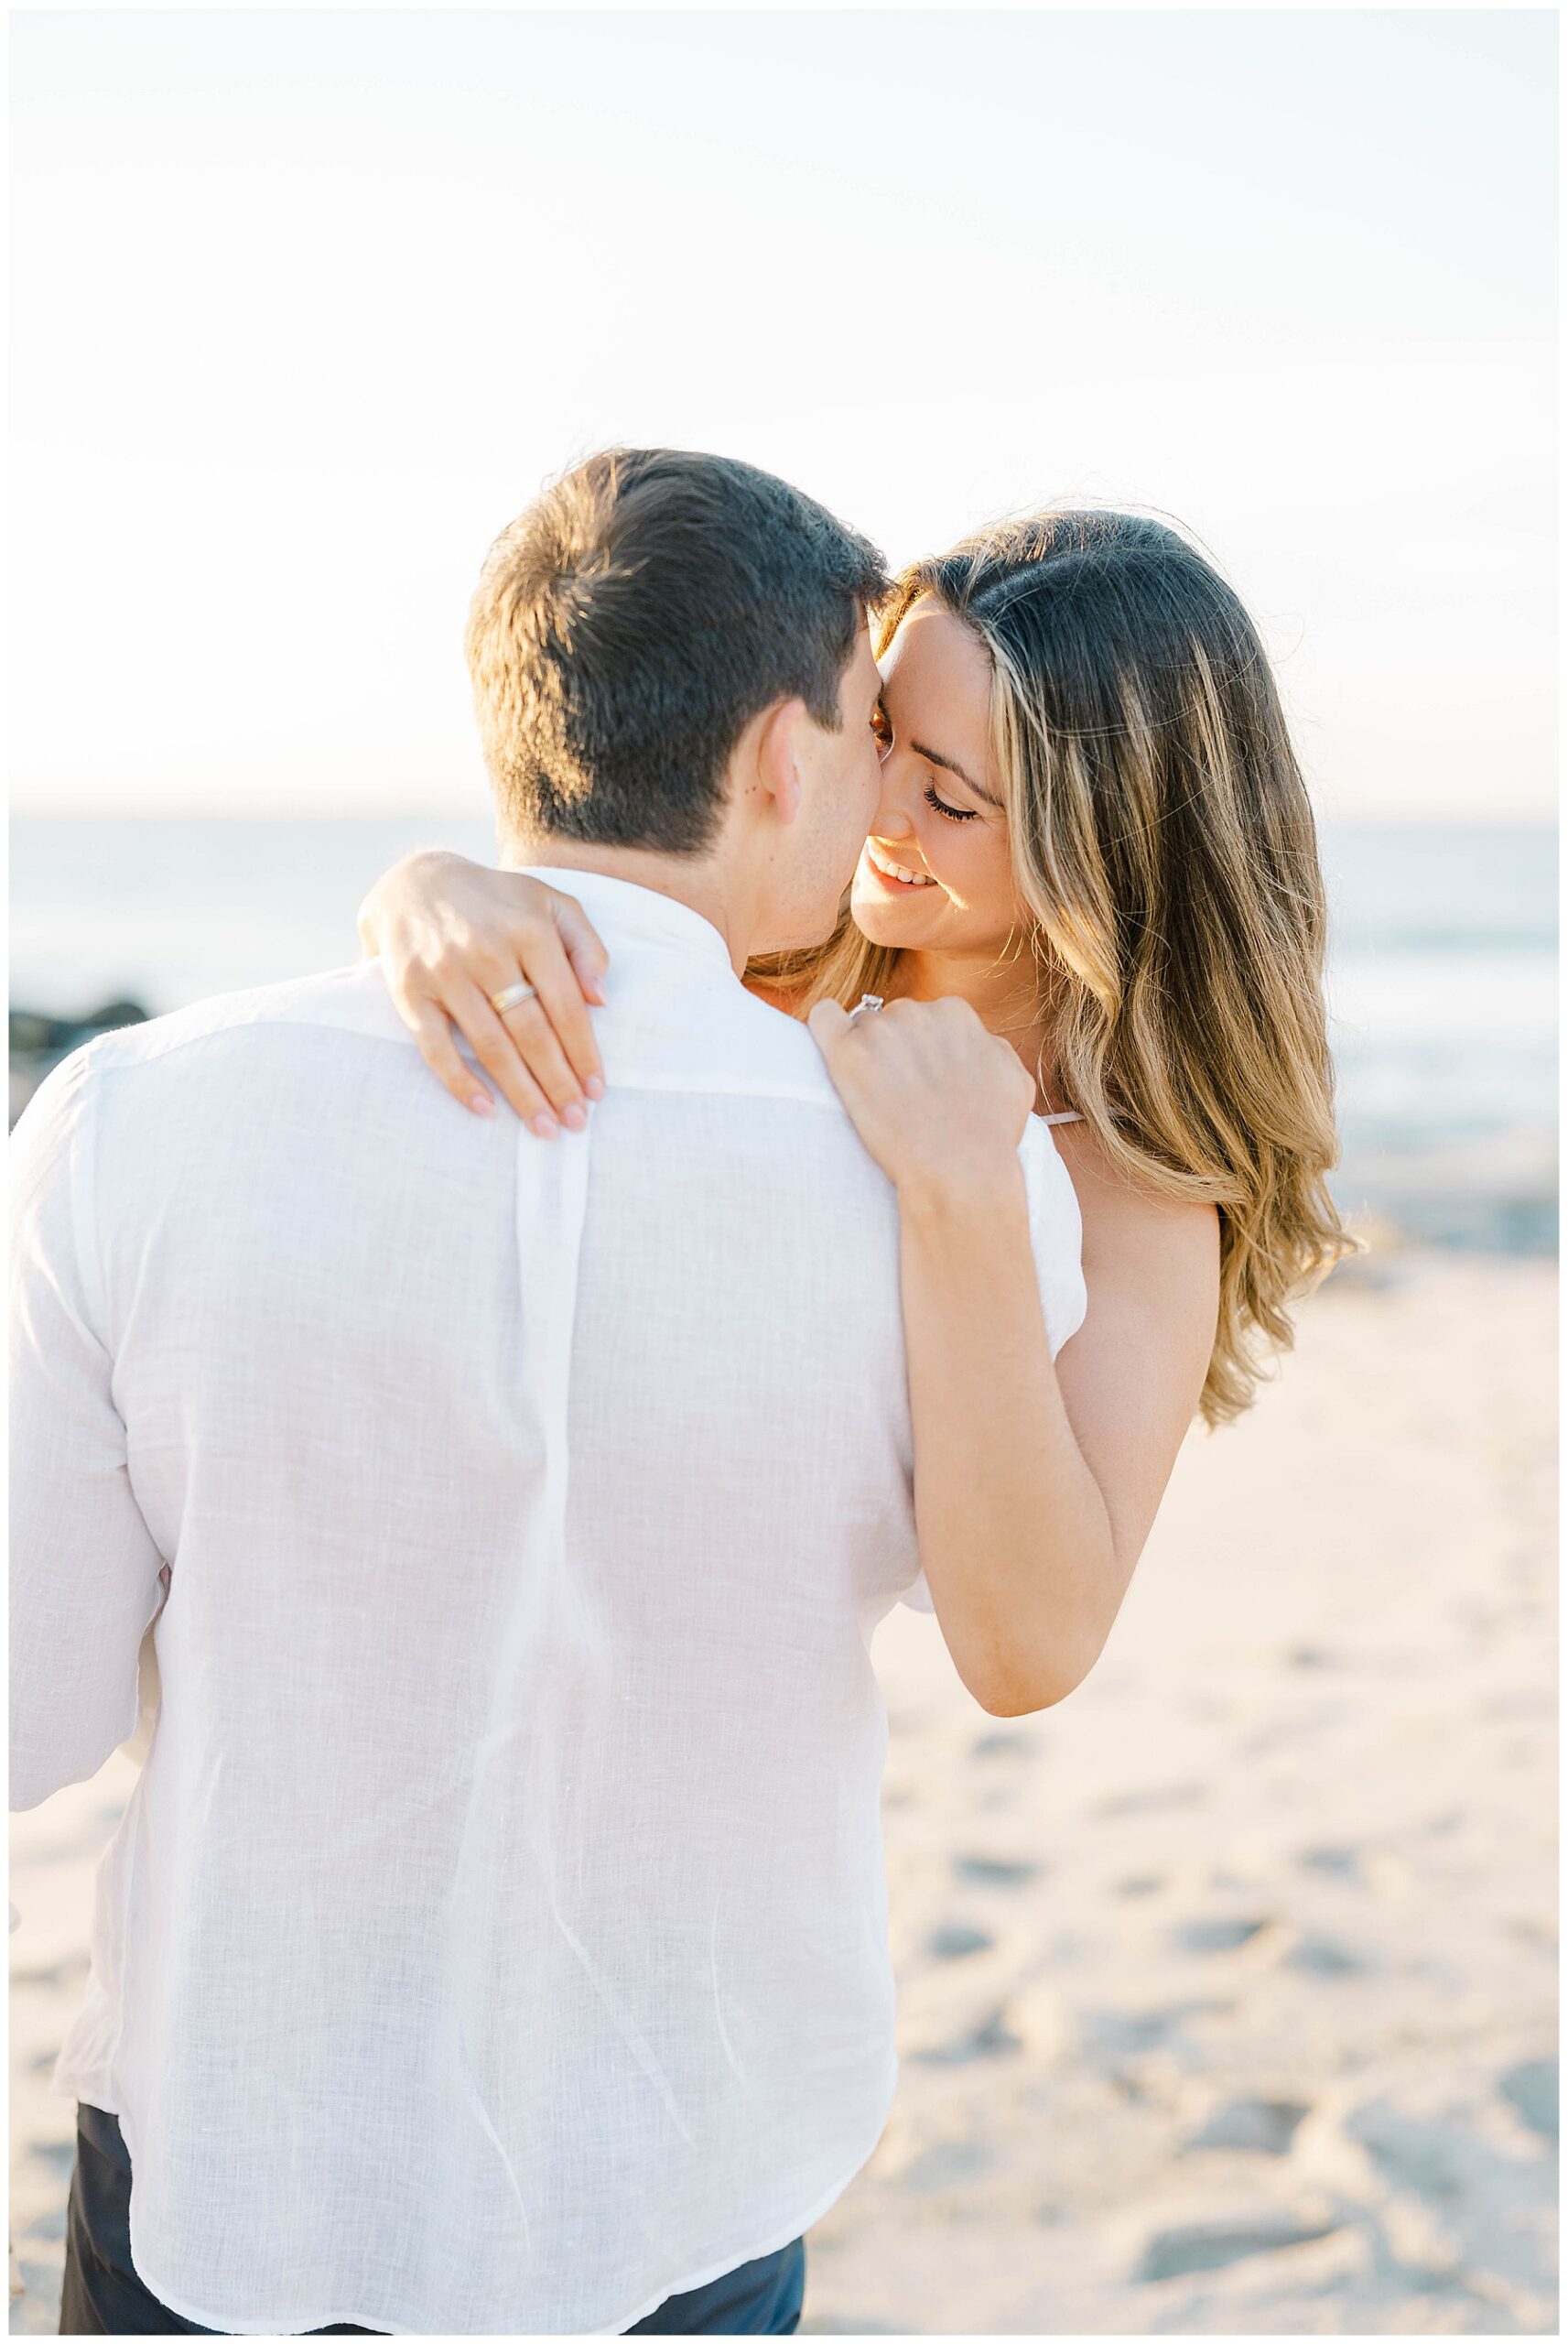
(1163, 843)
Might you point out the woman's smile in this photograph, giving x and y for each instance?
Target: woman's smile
(896, 876)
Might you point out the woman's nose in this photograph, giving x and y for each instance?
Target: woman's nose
(893, 821)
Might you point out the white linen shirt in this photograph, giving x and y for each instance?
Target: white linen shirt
(495, 1941)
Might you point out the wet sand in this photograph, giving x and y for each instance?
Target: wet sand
(1227, 1987)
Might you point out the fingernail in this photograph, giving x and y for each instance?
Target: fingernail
(594, 1086)
(545, 1127)
(482, 1103)
(574, 1117)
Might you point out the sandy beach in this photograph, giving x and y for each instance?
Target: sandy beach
(1227, 1987)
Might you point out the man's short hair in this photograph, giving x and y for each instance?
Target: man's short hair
(630, 625)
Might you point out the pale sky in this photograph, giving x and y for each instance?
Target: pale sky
(308, 304)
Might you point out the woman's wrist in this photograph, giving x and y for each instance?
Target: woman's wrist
(973, 1187)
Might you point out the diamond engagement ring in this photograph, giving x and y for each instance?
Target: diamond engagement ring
(513, 996)
(867, 1001)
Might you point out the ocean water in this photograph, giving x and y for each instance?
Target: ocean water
(1443, 983)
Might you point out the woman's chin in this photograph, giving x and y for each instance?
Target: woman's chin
(883, 918)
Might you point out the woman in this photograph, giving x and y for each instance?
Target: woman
(1094, 833)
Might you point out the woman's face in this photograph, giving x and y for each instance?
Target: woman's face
(935, 874)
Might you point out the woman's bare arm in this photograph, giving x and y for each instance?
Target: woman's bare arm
(1133, 1377)
(1034, 1489)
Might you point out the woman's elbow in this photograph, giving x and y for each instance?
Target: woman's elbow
(1020, 1701)
(1020, 1692)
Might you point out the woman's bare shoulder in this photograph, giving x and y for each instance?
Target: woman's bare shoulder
(1128, 1220)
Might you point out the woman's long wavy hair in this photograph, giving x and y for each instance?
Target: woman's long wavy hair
(1164, 846)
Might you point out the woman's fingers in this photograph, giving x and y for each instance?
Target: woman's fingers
(826, 1021)
(549, 1036)
(452, 937)
(519, 1048)
(440, 1054)
(585, 953)
(555, 972)
(533, 1037)
(500, 1051)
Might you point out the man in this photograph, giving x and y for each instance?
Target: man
(495, 1942)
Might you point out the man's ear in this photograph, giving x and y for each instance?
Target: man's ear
(779, 749)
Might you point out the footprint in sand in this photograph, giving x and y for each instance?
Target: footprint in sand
(826, 2324)
(1264, 2127)
(1531, 2088)
(948, 2165)
(1220, 1933)
(1443, 2157)
(1152, 1802)
(1001, 1745)
(1338, 1863)
(990, 2040)
(1323, 1958)
(1126, 2035)
(995, 1871)
(953, 1939)
(64, 1972)
(1209, 2246)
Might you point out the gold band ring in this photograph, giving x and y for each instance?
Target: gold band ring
(513, 996)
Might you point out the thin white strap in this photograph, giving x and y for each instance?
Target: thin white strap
(1071, 1117)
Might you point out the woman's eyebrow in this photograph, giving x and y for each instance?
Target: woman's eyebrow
(949, 764)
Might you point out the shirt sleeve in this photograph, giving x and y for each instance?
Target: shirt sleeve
(84, 1568)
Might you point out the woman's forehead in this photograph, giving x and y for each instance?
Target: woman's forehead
(933, 651)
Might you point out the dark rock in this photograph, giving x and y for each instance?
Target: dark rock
(34, 1032)
(38, 1042)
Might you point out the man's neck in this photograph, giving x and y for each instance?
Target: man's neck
(684, 879)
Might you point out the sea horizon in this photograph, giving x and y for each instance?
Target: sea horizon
(1442, 975)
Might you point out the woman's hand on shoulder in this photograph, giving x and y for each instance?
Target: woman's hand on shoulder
(940, 1103)
(450, 934)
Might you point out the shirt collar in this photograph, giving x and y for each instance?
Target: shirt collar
(621, 907)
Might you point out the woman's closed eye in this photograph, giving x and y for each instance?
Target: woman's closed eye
(940, 806)
(882, 733)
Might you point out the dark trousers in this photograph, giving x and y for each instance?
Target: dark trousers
(103, 2296)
